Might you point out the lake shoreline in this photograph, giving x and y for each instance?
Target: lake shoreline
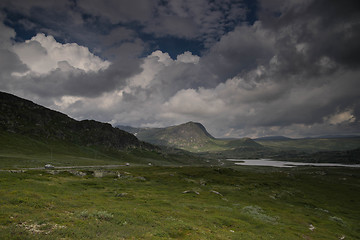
(274, 163)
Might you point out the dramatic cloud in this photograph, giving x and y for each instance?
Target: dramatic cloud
(42, 54)
(201, 19)
(242, 49)
(119, 11)
(266, 68)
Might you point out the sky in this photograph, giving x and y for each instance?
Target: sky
(239, 67)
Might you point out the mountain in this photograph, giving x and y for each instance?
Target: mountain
(272, 138)
(26, 118)
(183, 135)
(191, 136)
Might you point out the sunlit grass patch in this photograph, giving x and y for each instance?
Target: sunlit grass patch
(259, 214)
(100, 215)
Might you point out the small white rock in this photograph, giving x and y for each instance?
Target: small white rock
(311, 227)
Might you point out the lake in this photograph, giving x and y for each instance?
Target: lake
(271, 163)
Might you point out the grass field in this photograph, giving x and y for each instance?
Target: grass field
(181, 203)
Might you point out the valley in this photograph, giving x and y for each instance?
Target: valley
(193, 137)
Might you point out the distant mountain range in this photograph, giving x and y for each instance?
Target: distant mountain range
(190, 136)
(194, 137)
(336, 136)
(282, 138)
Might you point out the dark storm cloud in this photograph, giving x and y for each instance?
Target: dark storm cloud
(67, 22)
(328, 28)
(120, 11)
(55, 16)
(201, 19)
(240, 50)
(316, 41)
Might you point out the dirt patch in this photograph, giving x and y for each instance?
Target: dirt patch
(43, 228)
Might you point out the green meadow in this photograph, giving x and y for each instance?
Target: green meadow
(153, 202)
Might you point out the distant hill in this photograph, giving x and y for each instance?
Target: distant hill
(242, 143)
(181, 136)
(311, 145)
(337, 136)
(190, 136)
(346, 157)
(272, 138)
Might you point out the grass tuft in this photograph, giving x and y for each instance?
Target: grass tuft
(100, 215)
(259, 214)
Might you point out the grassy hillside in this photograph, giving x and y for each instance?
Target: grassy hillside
(181, 203)
(26, 118)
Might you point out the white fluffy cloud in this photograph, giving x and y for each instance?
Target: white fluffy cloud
(154, 66)
(151, 66)
(43, 54)
(188, 57)
(192, 103)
